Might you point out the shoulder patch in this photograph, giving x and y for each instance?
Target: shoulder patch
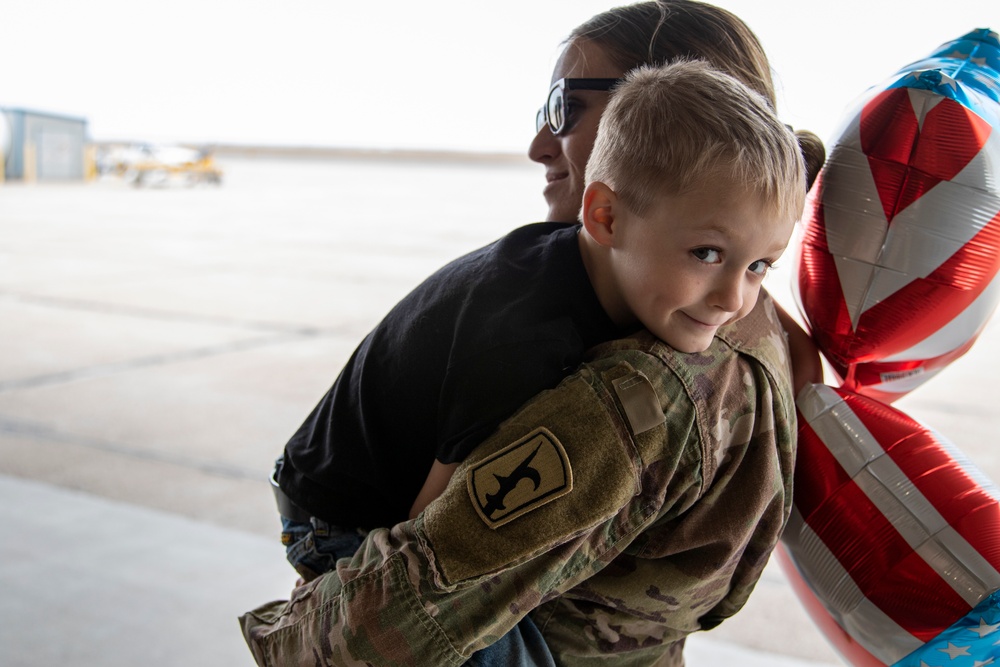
(519, 478)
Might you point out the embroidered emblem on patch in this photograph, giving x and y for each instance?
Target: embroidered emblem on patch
(519, 478)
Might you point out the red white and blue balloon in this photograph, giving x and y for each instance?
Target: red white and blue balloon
(901, 247)
(894, 541)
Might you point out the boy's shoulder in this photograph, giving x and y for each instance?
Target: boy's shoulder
(759, 333)
(744, 372)
(758, 337)
(747, 360)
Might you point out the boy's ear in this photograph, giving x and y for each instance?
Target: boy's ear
(599, 206)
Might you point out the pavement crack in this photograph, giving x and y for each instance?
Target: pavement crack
(166, 315)
(274, 333)
(36, 431)
(103, 370)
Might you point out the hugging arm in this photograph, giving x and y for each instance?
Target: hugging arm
(806, 365)
(541, 506)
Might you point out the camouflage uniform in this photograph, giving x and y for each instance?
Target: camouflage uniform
(632, 505)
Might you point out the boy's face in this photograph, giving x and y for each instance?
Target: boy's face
(694, 262)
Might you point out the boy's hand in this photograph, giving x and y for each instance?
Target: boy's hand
(434, 486)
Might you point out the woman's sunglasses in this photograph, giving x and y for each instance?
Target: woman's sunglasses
(553, 113)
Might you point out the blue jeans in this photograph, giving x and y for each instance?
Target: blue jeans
(314, 548)
(523, 646)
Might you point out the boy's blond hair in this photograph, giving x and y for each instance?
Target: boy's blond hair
(672, 128)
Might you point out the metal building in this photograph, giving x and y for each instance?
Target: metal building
(44, 146)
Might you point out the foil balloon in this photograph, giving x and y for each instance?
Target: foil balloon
(894, 541)
(901, 246)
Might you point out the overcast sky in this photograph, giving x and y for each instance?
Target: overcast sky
(439, 74)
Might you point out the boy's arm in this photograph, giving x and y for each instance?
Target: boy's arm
(807, 368)
(541, 506)
(434, 486)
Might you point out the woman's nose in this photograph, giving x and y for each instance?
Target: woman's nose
(544, 147)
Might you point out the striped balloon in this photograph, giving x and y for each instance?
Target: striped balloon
(901, 252)
(894, 542)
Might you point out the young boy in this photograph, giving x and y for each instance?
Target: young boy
(639, 499)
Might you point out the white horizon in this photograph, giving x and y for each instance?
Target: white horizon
(442, 76)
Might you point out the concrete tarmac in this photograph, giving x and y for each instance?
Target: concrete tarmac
(159, 345)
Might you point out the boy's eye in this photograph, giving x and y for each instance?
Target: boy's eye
(760, 267)
(707, 255)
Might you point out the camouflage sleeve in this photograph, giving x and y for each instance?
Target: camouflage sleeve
(541, 506)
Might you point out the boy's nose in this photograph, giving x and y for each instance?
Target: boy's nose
(727, 293)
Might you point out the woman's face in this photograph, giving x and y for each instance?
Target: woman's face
(565, 156)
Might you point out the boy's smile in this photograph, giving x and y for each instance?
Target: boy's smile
(691, 264)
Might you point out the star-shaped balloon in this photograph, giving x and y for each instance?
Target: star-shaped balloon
(901, 250)
(894, 540)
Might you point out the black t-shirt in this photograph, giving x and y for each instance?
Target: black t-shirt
(453, 359)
